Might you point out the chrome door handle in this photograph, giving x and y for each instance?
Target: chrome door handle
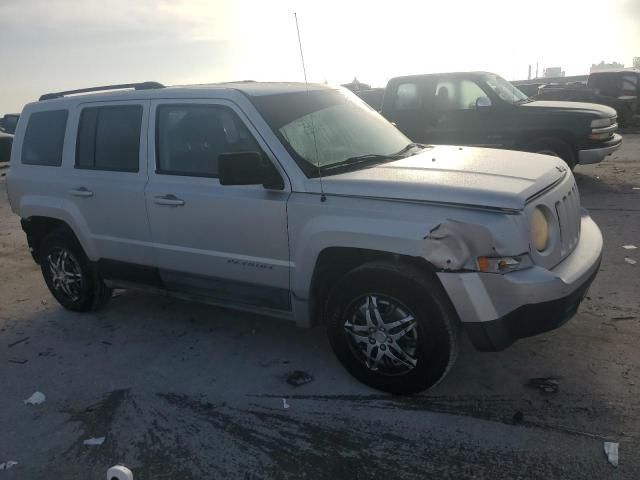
(81, 192)
(170, 200)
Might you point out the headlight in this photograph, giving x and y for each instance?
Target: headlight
(601, 122)
(539, 229)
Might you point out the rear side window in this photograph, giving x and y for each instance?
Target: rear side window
(44, 138)
(407, 97)
(109, 138)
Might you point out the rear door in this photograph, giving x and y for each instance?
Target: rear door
(229, 243)
(404, 105)
(107, 179)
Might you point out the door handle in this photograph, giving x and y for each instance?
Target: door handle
(81, 192)
(170, 200)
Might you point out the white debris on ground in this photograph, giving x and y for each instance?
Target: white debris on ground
(36, 399)
(7, 465)
(630, 261)
(285, 405)
(629, 247)
(94, 441)
(119, 472)
(611, 450)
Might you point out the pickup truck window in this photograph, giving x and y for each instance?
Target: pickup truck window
(44, 138)
(407, 97)
(189, 139)
(629, 85)
(457, 95)
(327, 127)
(505, 90)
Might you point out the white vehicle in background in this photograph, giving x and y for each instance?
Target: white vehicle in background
(301, 202)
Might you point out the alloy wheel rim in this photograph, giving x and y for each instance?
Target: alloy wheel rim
(383, 334)
(66, 275)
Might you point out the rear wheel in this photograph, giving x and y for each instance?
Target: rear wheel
(71, 278)
(392, 327)
(555, 148)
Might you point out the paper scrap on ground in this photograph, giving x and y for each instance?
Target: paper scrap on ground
(36, 399)
(119, 472)
(630, 261)
(611, 450)
(629, 247)
(285, 405)
(94, 441)
(7, 465)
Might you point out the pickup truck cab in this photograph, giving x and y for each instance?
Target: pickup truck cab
(303, 203)
(483, 109)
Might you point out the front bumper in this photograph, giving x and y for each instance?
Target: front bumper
(596, 155)
(497, 309)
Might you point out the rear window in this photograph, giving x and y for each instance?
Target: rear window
(109, 138)
(44, 138)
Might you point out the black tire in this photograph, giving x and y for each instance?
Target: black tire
(89, 292)
(555, 147)
(625, 116)
(437, 326)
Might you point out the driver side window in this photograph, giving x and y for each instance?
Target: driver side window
(458, 95)
(190, 138)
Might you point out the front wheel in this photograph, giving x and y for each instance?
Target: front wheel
(555, 148)
(392, 327)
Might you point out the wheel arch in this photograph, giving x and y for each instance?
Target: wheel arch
(37, 227)
(332, 263)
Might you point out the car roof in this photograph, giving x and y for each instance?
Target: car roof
(247, 87)
(448, 74)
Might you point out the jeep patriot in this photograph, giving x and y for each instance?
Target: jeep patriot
(301, 202)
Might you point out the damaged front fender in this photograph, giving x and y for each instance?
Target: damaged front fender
(455, 245)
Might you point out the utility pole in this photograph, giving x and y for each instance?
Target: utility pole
(529, 76)
(536, 68)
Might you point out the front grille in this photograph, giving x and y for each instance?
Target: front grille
(568, 211)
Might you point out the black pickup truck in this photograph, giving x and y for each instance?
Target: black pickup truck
(618, 89)
(483, 109)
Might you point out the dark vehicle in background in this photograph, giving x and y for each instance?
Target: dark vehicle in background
(8, 123)
(373, 97)
(618, 89)
(6, 140)
(483, 109)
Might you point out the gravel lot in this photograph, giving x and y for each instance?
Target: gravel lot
(188, 391)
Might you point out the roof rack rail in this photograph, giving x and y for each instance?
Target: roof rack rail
(135, 86)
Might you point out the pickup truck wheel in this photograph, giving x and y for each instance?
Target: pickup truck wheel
(392, 327)
(555, 148)
(71, 278)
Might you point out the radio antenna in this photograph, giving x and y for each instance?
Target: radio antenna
(323, 197)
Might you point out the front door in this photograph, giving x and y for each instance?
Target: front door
(461, 113)
(229, 243)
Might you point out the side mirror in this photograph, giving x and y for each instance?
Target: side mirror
(483, 102)
(6, 141)
(248, 168)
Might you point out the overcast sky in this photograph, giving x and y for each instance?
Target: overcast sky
(50, 45)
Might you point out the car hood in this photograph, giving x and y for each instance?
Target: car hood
(579, 107)
(479, 177)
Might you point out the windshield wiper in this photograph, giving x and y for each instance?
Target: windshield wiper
(360, 159)
(409, 147)
(372, 158)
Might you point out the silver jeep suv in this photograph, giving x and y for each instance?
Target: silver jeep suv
(301, 202)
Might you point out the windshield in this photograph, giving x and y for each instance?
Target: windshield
(505, 90)
(324, 128)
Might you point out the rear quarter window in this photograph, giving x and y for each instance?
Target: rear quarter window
(44, 138)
